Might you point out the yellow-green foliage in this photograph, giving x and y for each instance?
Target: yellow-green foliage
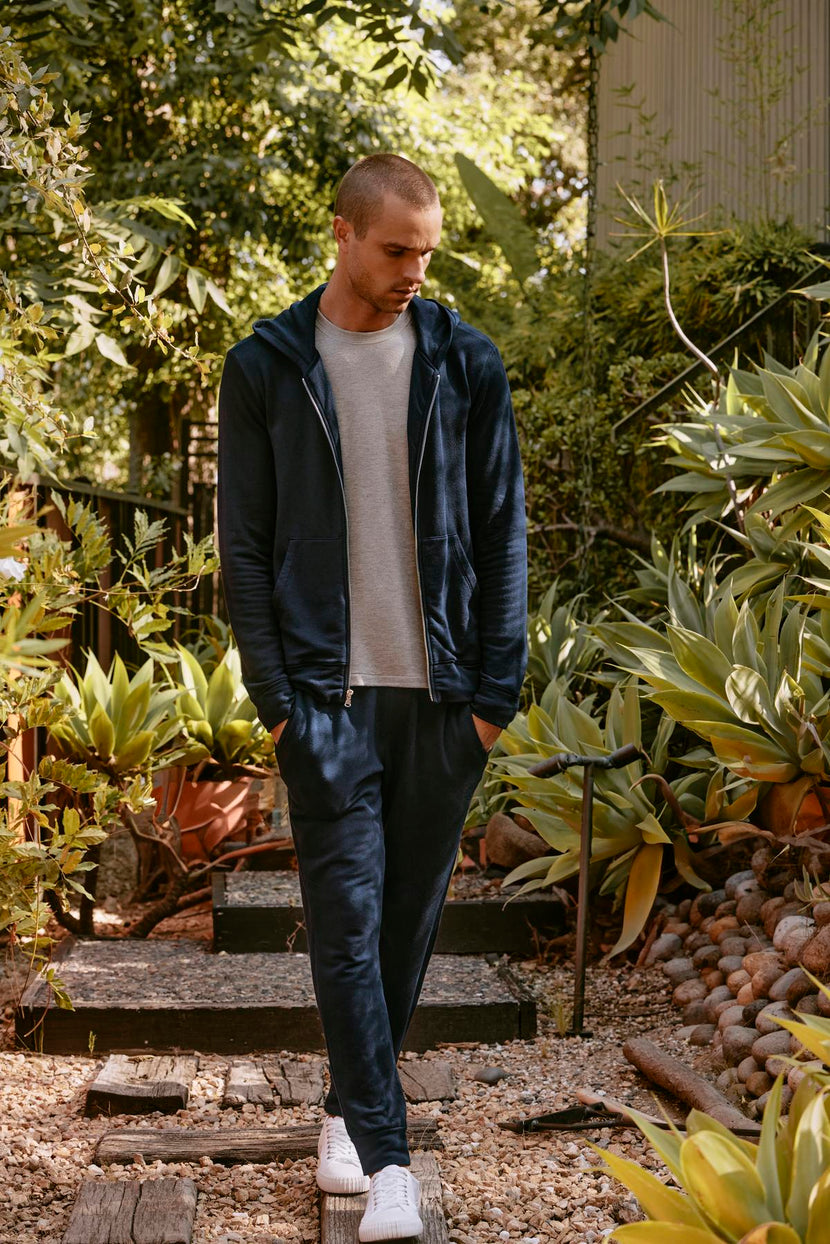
(632, 824)
(115, 722)
(217, 715)
(775, 1192)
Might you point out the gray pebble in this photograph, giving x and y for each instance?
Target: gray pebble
(679, 970)
(765, 1020)
(737, 1043)
(733, 882)
(702, 1034)
(747, 1067)
(491, 1075)
(773, 1043)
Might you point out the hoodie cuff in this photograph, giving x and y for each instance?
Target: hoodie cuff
(493, 707)
(273, 704)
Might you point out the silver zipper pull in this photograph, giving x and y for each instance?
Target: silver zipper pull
(349, 698)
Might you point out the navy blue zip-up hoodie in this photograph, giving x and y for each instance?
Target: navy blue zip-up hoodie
(282, 521)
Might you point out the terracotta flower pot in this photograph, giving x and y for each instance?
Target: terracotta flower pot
(207, 812)
(792, 808)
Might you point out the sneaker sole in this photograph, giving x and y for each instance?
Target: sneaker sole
(400, 1229)
(343, 1186)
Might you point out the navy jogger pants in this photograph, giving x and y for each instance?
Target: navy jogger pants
(377, 795)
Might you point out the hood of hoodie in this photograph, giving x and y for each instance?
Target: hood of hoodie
(293, 330)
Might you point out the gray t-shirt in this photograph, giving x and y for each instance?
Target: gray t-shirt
(369, 375)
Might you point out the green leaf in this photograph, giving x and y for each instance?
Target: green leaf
(658, 1201)
(101, 732)
(723, 1181)
(111, 350)
(640, 894)
(78, 340)
(502, 219)
(167, 273)
(197, 288)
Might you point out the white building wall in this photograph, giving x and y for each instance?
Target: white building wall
(701, 113)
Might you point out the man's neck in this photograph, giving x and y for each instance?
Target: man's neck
(343, 307)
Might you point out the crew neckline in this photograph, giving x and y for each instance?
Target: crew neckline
(330, 329)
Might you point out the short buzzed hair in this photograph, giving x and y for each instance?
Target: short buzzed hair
(360, 193)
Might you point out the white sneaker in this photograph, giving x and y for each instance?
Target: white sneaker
(392, 1209)
(338, 1168)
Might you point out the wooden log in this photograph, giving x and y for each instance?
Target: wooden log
(232, 1145)
(140, 1085)
(150, 1211)
(297, 1083)
(341, 1215)
(246, 1082)
(427, 1080)
(678, 1079)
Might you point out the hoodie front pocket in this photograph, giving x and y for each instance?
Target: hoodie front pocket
(451, 597)
(310, 602)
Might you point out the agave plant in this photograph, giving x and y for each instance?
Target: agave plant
(774, 1192)
(115, 723)
(217, 715)
(559, 645)
(750, 687)
(639, 817)
(774, 434)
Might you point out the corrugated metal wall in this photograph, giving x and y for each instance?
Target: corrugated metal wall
(702, 112)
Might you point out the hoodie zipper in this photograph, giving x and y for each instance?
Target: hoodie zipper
(347, 698)
(417, 555)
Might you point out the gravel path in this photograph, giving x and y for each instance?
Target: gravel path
(497, 1185)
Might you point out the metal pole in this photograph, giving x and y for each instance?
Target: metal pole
(577, 1028)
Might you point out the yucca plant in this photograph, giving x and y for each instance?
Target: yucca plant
(640, 818)
(774, 1192)
(224, 734)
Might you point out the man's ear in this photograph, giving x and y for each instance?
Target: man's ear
(342, 231)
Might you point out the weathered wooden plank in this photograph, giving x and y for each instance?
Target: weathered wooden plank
(341, 1215)
(141, 1085)
(427, 1080)
(233, 1145)
(164, 1215)
(152, 1211)
(247, 1082)
(297, 1083)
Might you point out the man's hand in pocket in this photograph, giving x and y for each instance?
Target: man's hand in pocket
(487, 732)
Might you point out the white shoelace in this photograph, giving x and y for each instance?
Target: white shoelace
(339, 1147)
(390, 1189)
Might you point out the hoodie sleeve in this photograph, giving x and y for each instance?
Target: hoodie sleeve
(498, 524)
(246, 521)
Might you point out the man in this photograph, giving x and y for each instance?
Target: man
(373, 541)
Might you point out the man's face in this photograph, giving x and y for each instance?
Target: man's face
(387, 266)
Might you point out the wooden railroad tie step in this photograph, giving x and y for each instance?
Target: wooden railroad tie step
(142, 1084)
(230, 1146)
(150, 1211)
(272, 1082)
(427, 1079)
(340, 1215)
